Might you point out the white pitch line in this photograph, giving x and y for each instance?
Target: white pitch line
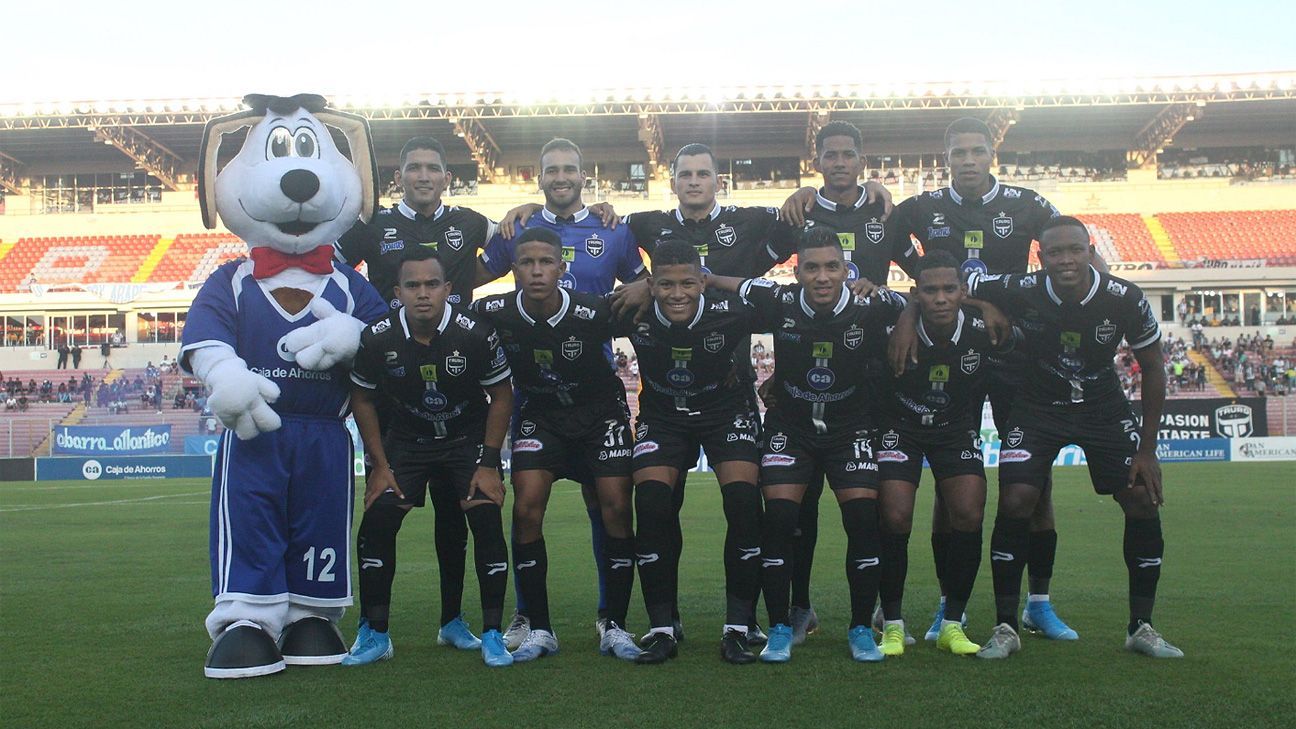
(117, 502)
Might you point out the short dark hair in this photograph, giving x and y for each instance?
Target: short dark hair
(430, 143)
(935, 259)
(1064, 221)
(968, 125)
(818, 237)
(692, 150)
(544, 235)
(675, 252)
(419, 253)
(561, 144)
(838, 129)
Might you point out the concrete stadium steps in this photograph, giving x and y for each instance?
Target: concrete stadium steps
(1161, 239)
(151, 262)
(25, 434)
(1213, 376)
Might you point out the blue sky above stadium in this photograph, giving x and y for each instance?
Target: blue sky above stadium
(155, 49)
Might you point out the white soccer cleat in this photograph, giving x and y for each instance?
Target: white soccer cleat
(1148, 641)
(1003, 642)
(538, 644)
(517, 631)
(617, 642)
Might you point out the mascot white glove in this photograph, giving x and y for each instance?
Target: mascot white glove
(331, 341)
(239, 398)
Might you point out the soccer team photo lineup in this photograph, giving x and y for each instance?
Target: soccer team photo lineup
(933, 345)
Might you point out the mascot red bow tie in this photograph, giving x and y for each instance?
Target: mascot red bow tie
(266, 261)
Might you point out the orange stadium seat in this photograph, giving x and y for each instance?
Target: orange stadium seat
(1251, 234)
(193, 256)
(1122, 237)
(75, 259)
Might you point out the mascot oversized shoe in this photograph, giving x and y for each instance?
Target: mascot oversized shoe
(312, 641)
(243, 650)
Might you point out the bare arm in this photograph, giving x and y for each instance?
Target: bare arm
(380, 478)
(1146, 468)
(486, 479)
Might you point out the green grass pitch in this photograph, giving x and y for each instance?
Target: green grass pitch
(104, 586)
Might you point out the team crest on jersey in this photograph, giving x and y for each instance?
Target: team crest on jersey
(526, 427)
(454, 238)
(726, 235)
(641, 432)
(713, 342)
(1014, 438)
(572, 348)
(1003, 225)
(970, 362)
(778, 442)
(890, 439)
(594, 246)
(874, 230)
(853, 337)
(1105, 331)
(456, 364)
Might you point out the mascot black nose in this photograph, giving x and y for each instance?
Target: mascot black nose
(299, 185)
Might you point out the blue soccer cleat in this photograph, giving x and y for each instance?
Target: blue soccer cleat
(457, 634)
(1038, 617)
(494, 654)
(863, 647)
(778, 647)
(370, 647)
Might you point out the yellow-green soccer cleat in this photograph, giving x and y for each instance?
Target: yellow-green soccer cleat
(893, 639)
(954, 640)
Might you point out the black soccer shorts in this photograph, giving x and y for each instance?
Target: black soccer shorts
(423, 463)
(951, 451)
(1036, 433)
(672, 439)
(584, 441)
(792, 456)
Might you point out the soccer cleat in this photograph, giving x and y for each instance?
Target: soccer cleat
(517, 631)
(657, 648)
(617, 642)
(778, 649)
(756, 636)
(370, 647)
(1148, 641)
(863, 647)
(312, 641)
(938, 617)
(601, 625)
(457, 634)
(893, 639)
(1003, 643)
(494, 654)
(879, 619)
(243, 650)
(804, 622)
(361, 632)
(538, 644)
(954, 640)
(1038, 617)
(734, 648)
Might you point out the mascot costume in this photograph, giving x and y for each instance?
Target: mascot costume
(273, 336)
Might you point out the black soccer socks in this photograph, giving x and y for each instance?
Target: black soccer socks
(776, 569)
(1144, 549)
(376, 548)
(742, 550)
(654, 512)
(1008, 547)
(490, 554)
(531, 567)
(895, 567)
(1039, 561)
(961, 567)
(863, 557)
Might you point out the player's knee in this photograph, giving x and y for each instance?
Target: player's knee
(1017, 500)
(653, 503)
(742, 501)
(967, 518)
(897, 518)
(1136, 503)
(781, 518)
(381, 522)
(859, 517)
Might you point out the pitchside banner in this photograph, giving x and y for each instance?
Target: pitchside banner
(111, 440)
(122, 467)
(1186, 419)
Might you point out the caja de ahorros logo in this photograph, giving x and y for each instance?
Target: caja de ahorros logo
(1234, 421)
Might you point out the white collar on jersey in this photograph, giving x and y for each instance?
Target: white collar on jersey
(445, 321)
(985, 199)
(577, 216)
(958, 331)
(842, 301)
(715, 213)
(410, 212)
(553, 320)
(1097, 279)
(661, 317)
(827, 204)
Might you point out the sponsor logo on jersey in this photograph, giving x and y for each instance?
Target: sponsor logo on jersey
(572, 348)
(435, 401)
(594, 246)
(614, 453)
(853, 337)
(938, 219)
(380, 326)
(641, 432)
(542, 356)
(1105, 331)
(1014, 455)
(970, 361)
(847, 241)
(568, 254)
(1118, 289)
(973, 239)
(892, 456)
(714, 341)
(874, 230)
(1014, 438)
(390, 233)
(726, 235)
(719, 306)
(998, 556)
(774, 459)
(428, 372)
(1029, 281)
(866, 562)
(499, 359)
(1003, 225)
(527, 445)
(938, 373)
(454, 238)
(763, 283)
(456, 364)
(1070, 341)
(464, 321)
(495, 304)
(583, 312)
(682, 354)
(822, 350)
(1011, 192)
(648, 446)
(395, 371)
(788, 296)
(680, 377)
(778, 442)
(970, 455)
(820, 378)
(391, 246)
(938, 232)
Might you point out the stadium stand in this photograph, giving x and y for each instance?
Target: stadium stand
(1122, 237)
(1254, 234)
(193, 256)
(74, 259)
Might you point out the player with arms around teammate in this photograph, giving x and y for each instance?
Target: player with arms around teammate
(827, 356)
(933, 410)
(688, 399)
(436, 366)
(1073, 319)
(573, 416)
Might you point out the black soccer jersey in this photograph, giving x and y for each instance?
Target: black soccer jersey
(868, 249)
(826, 366)
(434, 390)
(1071, 346)
(991, 234)
(732, 241)
(557, 362)
(455, 233)
(948, 384)
(686, 368)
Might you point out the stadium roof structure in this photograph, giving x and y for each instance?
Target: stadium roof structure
(1138, 115)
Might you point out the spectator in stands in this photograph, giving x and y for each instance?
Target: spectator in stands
(105, 350)
(118, 339)
(76, 356)
(150, 371)
(179, 402)
(11, 403)
(63, 353)
(1183, 310)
